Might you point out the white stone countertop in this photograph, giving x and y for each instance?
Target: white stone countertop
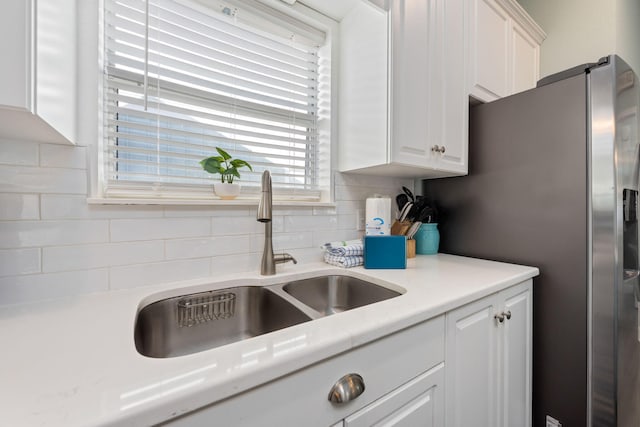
(73, 362)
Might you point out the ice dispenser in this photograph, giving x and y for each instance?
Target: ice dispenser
(630, 232)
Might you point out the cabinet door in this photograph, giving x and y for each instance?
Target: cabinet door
(489, 50)
(451, 97)
(418, 402)
(472, 370)
(516, 357)
(428, 91)
(524, 60)
(413, 54)
(15, 47)
(364, 76)
(39, 82)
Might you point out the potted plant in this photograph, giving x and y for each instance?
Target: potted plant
(227, 167)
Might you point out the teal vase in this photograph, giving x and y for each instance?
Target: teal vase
(427, 239)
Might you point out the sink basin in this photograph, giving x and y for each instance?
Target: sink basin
(334, 294)
(192, 323)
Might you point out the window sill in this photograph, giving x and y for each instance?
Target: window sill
(202, 202)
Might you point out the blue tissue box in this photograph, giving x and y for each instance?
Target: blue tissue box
(385, 252)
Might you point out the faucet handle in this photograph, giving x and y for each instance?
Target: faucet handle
(284, 257)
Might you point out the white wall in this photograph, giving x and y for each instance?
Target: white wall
(628, 32)
(581, 31)
(52, 243)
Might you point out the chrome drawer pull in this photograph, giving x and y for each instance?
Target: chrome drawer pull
(346, 389)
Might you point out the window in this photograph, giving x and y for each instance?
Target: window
(182, 78)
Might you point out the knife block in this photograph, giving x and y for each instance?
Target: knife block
(411, 248)
(400, 228)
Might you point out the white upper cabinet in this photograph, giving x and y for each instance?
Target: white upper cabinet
(403, 101)
(504, 49)
(525, 60)
(489, 50)
(38, 75)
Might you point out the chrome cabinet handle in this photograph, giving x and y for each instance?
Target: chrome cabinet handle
(346, 389)
(500, 317)
(438, 149)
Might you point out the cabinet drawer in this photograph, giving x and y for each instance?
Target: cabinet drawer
(419, 402)
(301, 398)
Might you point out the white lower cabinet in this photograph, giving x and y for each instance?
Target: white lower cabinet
(488, 348)
(402, 373)
(484, 380)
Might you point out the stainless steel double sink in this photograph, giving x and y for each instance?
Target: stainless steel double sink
(191, 323)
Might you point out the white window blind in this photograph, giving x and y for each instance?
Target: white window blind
(182, 78)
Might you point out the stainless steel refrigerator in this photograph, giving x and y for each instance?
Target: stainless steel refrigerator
(553, 183)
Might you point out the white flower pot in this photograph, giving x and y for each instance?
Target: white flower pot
(226, 191)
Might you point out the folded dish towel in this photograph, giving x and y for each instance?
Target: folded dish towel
(345, 248)
(344, 261)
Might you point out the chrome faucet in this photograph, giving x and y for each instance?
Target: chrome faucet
(265, 208)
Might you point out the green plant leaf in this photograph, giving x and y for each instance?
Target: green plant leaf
(212, 165)
(233, 171)
(237, 163)
(224, 154)
(224, 165)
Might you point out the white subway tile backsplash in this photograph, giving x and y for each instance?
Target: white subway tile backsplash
(33, 287)
(22, 234)
(19, 206)
(361, 193)
(206, 211)
(132, 276)
(63, 206)
(373, 181)
(284, 241)
(289, 211)
(63, 156)
(207, 247)
(322, 237)
(230, 226)
(323, 210)
(306, 255)
(347, 222)
(368, 186)
(78, 257)
(163, 228)
(229, 264)
(14, 262)
(18, 153)
(349, 206)
(343, 192)
(308, 223)
(27, 179)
